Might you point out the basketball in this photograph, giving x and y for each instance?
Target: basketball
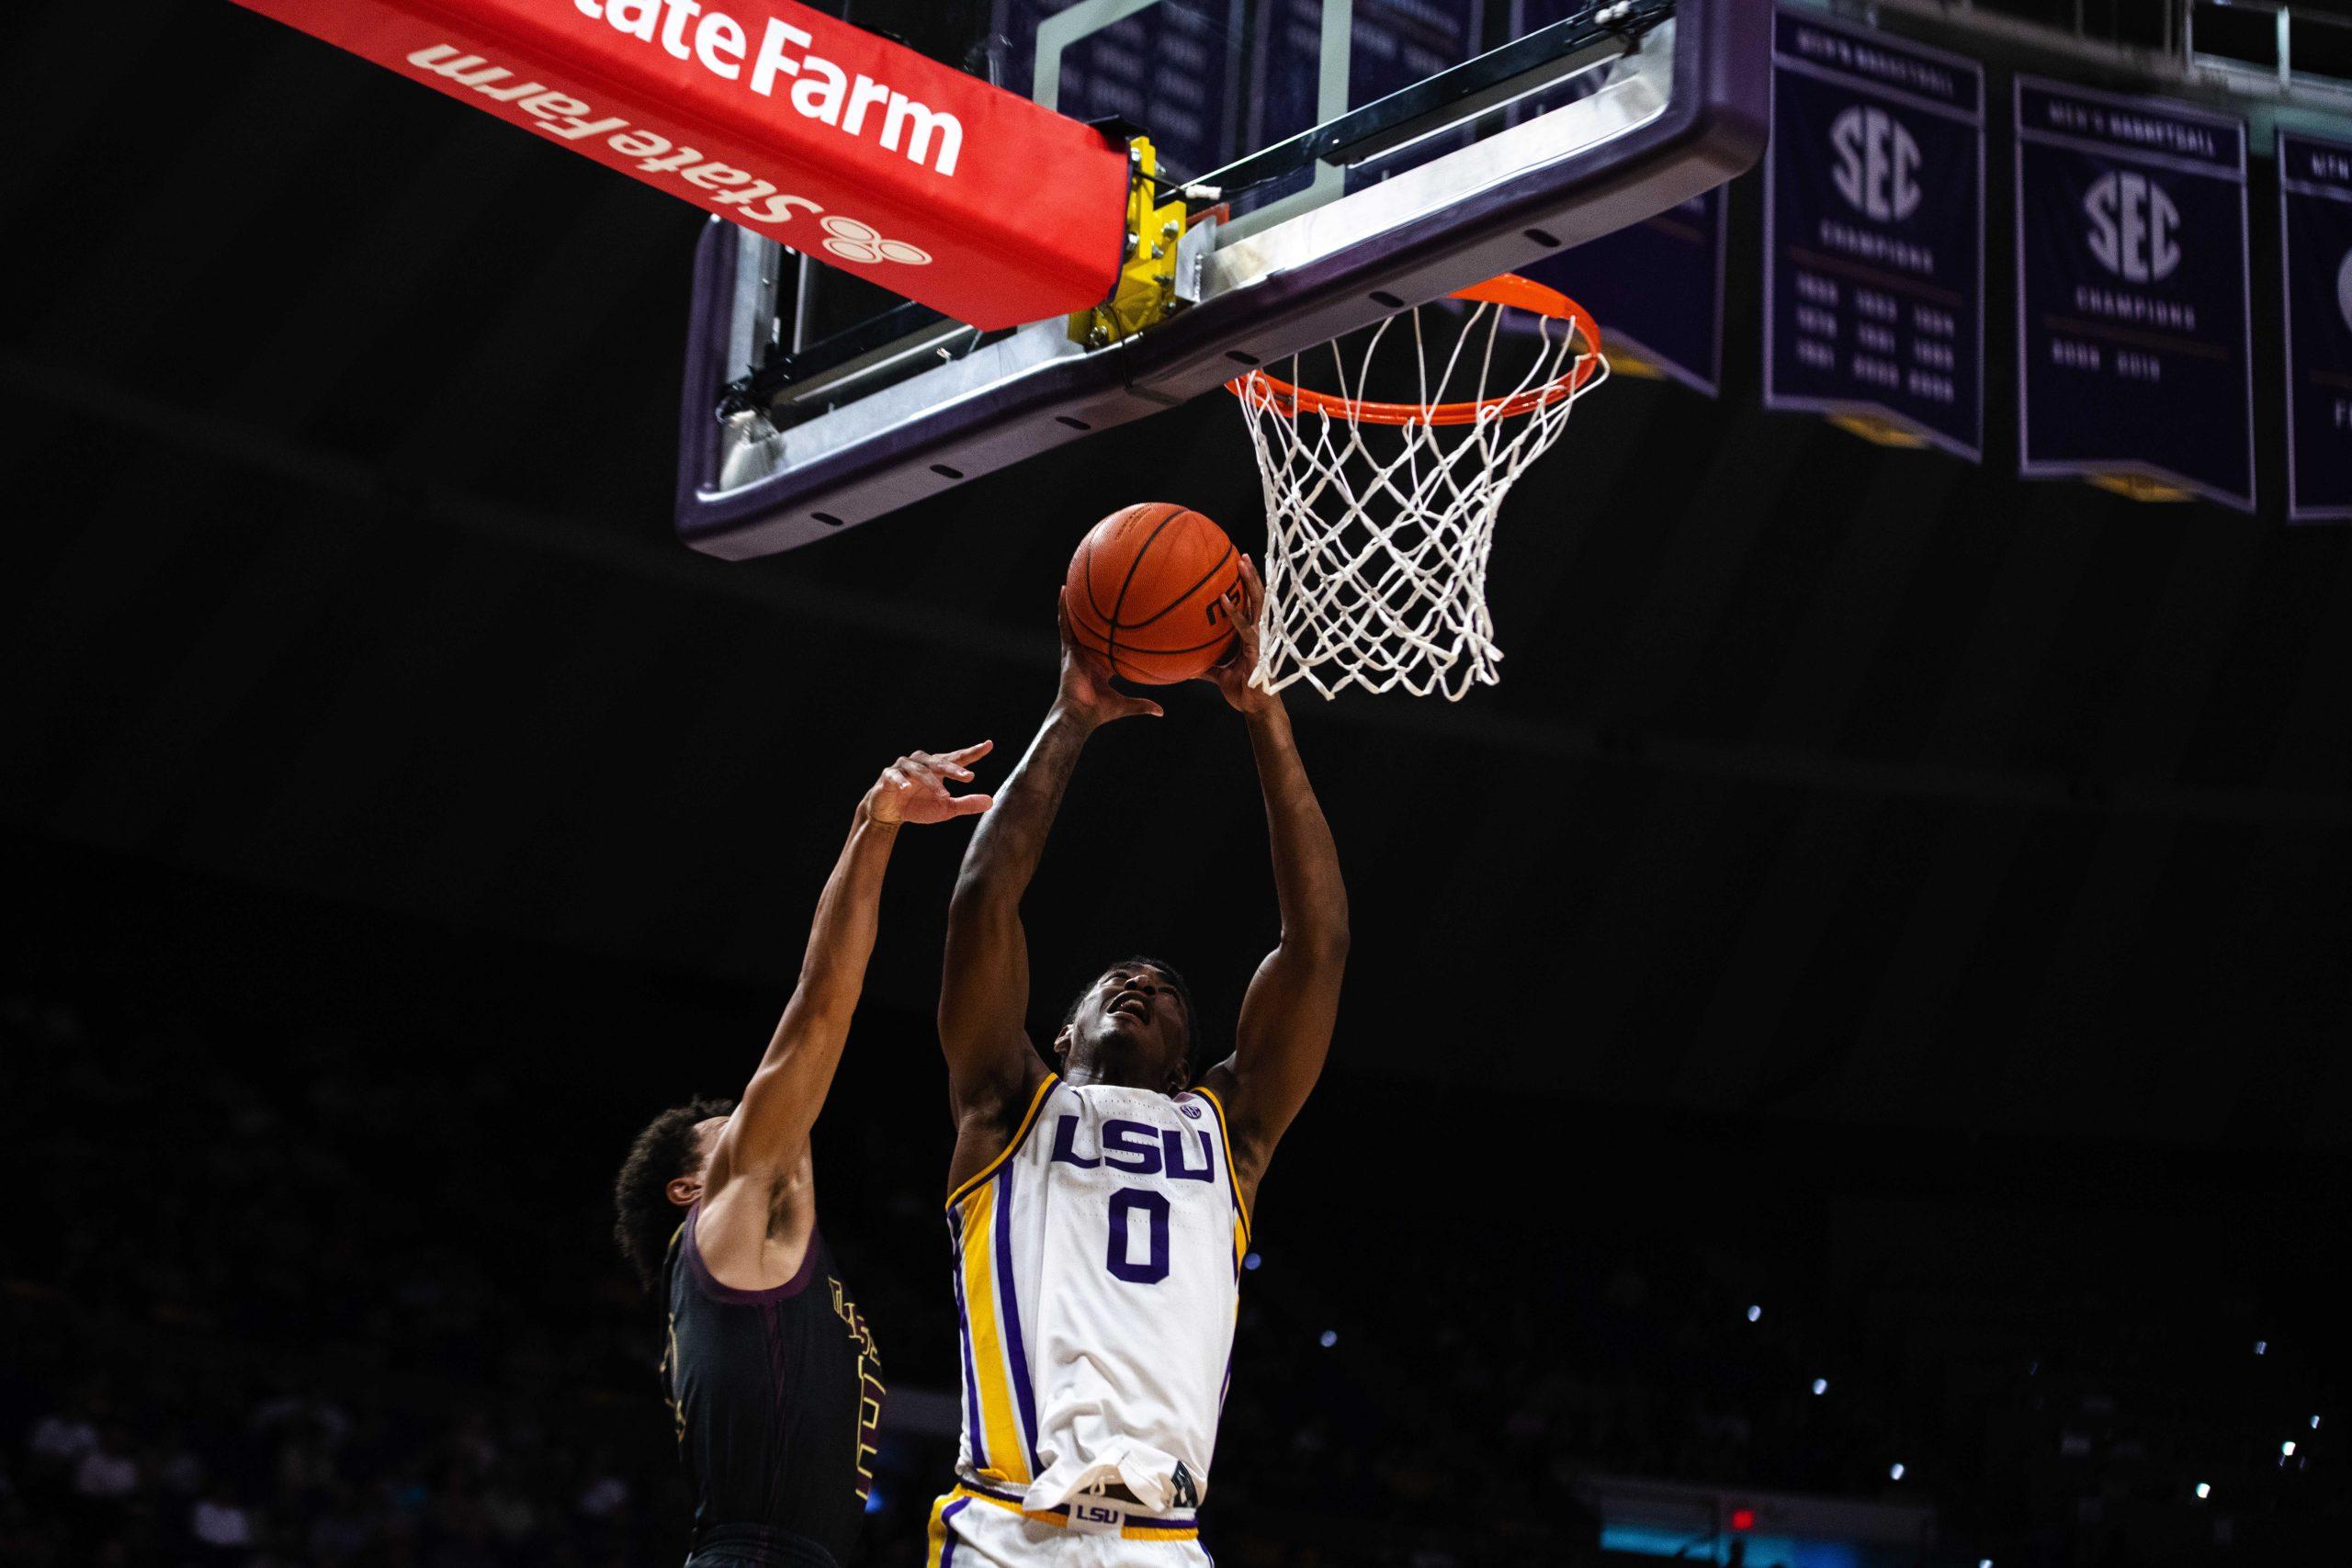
(1147, 593)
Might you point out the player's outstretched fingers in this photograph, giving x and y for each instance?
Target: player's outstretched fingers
(960, 760)
(938, 766)
(916, 788)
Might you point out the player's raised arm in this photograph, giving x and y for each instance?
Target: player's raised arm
(1285, 1030)
(769, 1130)
(984, 995)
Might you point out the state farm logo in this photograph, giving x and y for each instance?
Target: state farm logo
(739, 194)
(821, 90)
(2135, 227)
(1878, 164)
(855, 241)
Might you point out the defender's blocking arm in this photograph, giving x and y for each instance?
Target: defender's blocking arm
(769, 1130)
(984, 994)
(1285, 1030)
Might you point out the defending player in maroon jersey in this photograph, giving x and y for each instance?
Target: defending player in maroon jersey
(770, 1369)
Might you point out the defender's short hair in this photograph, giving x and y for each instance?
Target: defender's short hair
(644, 1218)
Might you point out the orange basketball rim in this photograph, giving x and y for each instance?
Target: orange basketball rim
(1510, 291)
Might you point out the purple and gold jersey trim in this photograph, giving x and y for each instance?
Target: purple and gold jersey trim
(1001, 1403)
(1024, 1395)
(1240, 1223)
(1001, 1421)
(972, 1420)
(1225, 1138)
(1013, 1145)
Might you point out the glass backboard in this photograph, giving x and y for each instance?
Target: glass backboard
(1338, 161)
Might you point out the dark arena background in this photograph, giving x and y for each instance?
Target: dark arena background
(1844, 1060)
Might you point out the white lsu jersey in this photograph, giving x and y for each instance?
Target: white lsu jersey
(1098, 1267)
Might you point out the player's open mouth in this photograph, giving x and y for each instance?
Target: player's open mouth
(1133, 1005)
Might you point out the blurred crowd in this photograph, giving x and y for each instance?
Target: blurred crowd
(300, 1320)
(345, 1310)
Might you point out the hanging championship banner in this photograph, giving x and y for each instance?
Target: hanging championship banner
(1656, 289)
(2133, 314)
(1874, 235)
(2315, 253)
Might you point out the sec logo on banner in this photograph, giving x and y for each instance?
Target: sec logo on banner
(1878, 164)
(2135, 227)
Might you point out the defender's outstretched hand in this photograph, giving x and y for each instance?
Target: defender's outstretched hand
(1231, 676)
(1087, 694)
(914, 788)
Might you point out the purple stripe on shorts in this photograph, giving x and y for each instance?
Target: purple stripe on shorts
(1023, 1393)
(948, 1531)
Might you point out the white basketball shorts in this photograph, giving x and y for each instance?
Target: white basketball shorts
(975, 1526)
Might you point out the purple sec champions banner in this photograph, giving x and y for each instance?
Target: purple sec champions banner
(2132, 316)
(1874, 232)
(2315, 231)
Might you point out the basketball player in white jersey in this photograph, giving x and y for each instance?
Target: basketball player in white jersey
(1100, 1204)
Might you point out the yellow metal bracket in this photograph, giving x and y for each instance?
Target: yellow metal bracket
(1146, 292)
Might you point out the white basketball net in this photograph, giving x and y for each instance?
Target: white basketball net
(1377, 534)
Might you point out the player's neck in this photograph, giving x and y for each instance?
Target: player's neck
(1080, 1074)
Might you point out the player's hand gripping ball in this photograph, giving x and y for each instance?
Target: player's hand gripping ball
(1152, 594)
(1233, 674)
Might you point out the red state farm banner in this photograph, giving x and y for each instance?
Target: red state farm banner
(848, 148)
